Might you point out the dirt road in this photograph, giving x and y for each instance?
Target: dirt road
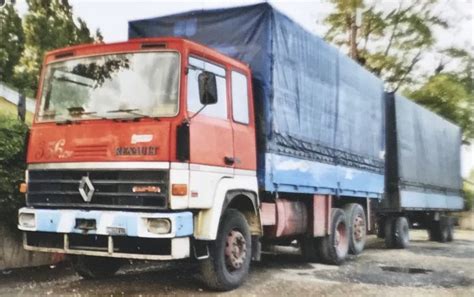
(425, 269)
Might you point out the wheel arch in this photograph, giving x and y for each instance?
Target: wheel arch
(247, 203)
(240, 194)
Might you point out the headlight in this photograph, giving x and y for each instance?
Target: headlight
(158, 225)
(27, 220)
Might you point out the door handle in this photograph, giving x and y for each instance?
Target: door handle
(229, 160)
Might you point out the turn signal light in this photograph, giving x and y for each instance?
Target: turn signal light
(23, 187)
(146, 189)
(179, 189)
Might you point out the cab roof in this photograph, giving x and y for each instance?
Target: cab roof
(142, 44)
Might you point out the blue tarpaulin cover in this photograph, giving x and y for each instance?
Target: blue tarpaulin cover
(423, 168)
(312, 102)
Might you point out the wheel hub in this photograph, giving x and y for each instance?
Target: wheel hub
(236, 250)
(358, 228)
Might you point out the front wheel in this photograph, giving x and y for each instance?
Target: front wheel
(229, 255)
(96, 267)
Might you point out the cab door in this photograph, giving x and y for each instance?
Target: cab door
(211, 140)
(243, 123)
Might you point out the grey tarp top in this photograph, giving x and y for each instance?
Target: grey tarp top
(312, 102)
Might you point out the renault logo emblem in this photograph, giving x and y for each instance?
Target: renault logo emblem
(86, 189)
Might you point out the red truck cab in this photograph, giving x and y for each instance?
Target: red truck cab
(135, 151)
(140, 92)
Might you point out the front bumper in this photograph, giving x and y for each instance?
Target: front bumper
(115, 233)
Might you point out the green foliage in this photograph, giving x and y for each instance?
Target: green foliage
(389, 42)
(450, 93)
(469, 192)
(11, 41)
(12, 167)
(48, 25)
(447, 96)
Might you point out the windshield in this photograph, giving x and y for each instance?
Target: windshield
(111, 86)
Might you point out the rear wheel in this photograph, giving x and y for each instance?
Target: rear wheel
(380, 227)
(229, 255)
(397, 232)
(442, 230)
(357, 227)
(434, 231)
(96, 267)
(335, 246)
(402, 233)
(450, 230)
(389, 232)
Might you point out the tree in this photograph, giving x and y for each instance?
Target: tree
(12, 167)
(389, 42)
(48, 25)
(11, 41)
(450, 93)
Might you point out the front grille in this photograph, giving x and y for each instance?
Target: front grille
(100, 243)
(112, 188)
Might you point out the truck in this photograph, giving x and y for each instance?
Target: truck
(213, 135)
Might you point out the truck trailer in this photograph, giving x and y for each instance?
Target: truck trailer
(214, 134)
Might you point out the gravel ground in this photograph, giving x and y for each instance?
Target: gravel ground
(424, 269)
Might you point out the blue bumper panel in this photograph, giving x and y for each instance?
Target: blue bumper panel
(107, 222)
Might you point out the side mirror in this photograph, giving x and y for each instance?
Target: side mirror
(207, 88)
(21, 107)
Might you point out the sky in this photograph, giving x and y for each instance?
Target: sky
(112, 17)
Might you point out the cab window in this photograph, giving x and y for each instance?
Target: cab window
(240, 99)
(196, 67)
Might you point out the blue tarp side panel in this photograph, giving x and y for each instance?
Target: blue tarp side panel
(325, 107)
(295, 175)
(312, 103)
(422, 200)
(424, 170)
(428, 147)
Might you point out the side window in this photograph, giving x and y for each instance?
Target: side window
(218, 110)
(240, 100)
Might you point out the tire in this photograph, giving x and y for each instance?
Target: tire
(402, 233)
(335, 246)
(96, 267)
(357, 225)
(389, 230)
(434, 231)
(223, 270)
(444, 229)
(380, 228)
(397, 233)
(450, 230)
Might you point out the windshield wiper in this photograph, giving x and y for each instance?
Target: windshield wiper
(79, 111)
(132, 111)
(66, 122)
